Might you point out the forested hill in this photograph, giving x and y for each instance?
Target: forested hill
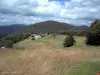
(49, 26)
(53, 26)
(8, 29)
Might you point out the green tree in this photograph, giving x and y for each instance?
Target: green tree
(54, 35)
(69, 41)
(10, 43)
(3, 42)
(33, 38)
(93, 35)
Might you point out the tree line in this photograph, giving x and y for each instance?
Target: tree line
(8, 41)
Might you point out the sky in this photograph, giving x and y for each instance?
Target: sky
(76, 12)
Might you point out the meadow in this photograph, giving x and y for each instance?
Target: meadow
(59, 39)
(47, 56)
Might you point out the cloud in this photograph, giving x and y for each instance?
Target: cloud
(76, 12)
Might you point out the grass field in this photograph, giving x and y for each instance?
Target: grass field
(88, 68)
(59, 39)
(6, 54)
(47, 56)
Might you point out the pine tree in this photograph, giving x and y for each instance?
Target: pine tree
(69, 41)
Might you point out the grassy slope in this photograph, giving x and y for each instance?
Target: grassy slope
(88, 68)
(72, 68)
(72, 64)
(6, 54)
(58, 41)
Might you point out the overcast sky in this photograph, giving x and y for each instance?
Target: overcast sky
(78, 12)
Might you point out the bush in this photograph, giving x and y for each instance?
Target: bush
(9, 43)
(33, 38)
(69, 41)
(93, 35)
(54, 35)
(3, 42)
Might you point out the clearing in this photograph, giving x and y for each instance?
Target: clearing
(47, 56)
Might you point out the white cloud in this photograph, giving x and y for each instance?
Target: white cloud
(30, 11)
(52, 9)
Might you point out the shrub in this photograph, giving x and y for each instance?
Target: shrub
(10, 43)
(93, 35)
(54, 35)
(3, 42)
(69, 41)
(7, 43)
(33, 38)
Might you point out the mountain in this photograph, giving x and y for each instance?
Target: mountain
(53, 26)
(8, 29)
(48, 26)
(81, 27)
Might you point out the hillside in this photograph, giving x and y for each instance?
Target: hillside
(8, 29)
(49, 26)
(46, 56)
(53, 26)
